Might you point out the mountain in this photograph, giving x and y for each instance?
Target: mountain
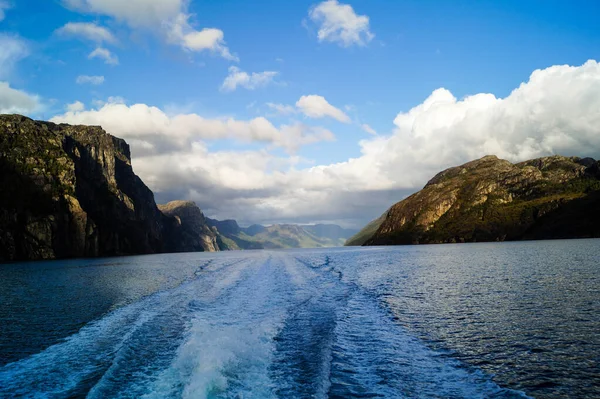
(255, 229)
(227, 227)
(195, 233)
(70, 191)
(331, 231)
(365, 233)
(291, 236)
(233, 237)
(491, 199)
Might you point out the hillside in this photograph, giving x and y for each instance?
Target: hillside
(491, 199)
(365, 233)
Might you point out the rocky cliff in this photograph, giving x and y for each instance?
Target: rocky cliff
(70, 191)
(194, 234)
(491, 199)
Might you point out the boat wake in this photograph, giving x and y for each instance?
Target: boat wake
(265, 325)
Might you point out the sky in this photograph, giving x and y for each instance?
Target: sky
(304, 111)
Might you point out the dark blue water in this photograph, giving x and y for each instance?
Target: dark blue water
(501, 320)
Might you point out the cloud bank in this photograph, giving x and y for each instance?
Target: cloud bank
(151, 131)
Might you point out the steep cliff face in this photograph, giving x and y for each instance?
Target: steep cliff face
(494, 200)
(70, 191)
(194, 234)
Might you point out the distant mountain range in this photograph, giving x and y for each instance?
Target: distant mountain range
(233, 236)
(491, 199)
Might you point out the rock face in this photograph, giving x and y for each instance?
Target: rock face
(491, 199)
(194, 234)
(70, 191)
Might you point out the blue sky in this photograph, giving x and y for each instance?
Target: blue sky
(398, 54)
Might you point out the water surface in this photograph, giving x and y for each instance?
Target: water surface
(500, 320)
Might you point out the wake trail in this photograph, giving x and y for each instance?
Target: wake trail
(72, 367)
(262, 325)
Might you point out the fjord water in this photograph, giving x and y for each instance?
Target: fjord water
(498, 320)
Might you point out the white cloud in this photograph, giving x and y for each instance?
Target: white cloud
(104, 54)
(135, 13)
(4, 5)
(93, 80)
(556, 112)
(155, 131)
(315, 106)
(12, 49)
(168, 18)
(237, 77)
(87, 31)
(282, 109)
(368, 129)
(189, 39)
(339, 23)
(13, 101)
(77, 106)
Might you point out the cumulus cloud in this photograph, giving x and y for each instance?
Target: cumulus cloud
(87, 31)
(93, 80)
(555, 112)
(252, 81)
(315, 106)
(13, 101)
(181, 32)
(338, 23)
(75, 107)
(12, 50)
(368, 129)
(4, 5)
(104, 54)
(169, 18)
(151, 130)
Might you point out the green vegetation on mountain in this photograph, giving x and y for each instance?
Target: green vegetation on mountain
(494, 200)
(365, 233)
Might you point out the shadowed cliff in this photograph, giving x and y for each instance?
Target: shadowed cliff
(70, 191)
